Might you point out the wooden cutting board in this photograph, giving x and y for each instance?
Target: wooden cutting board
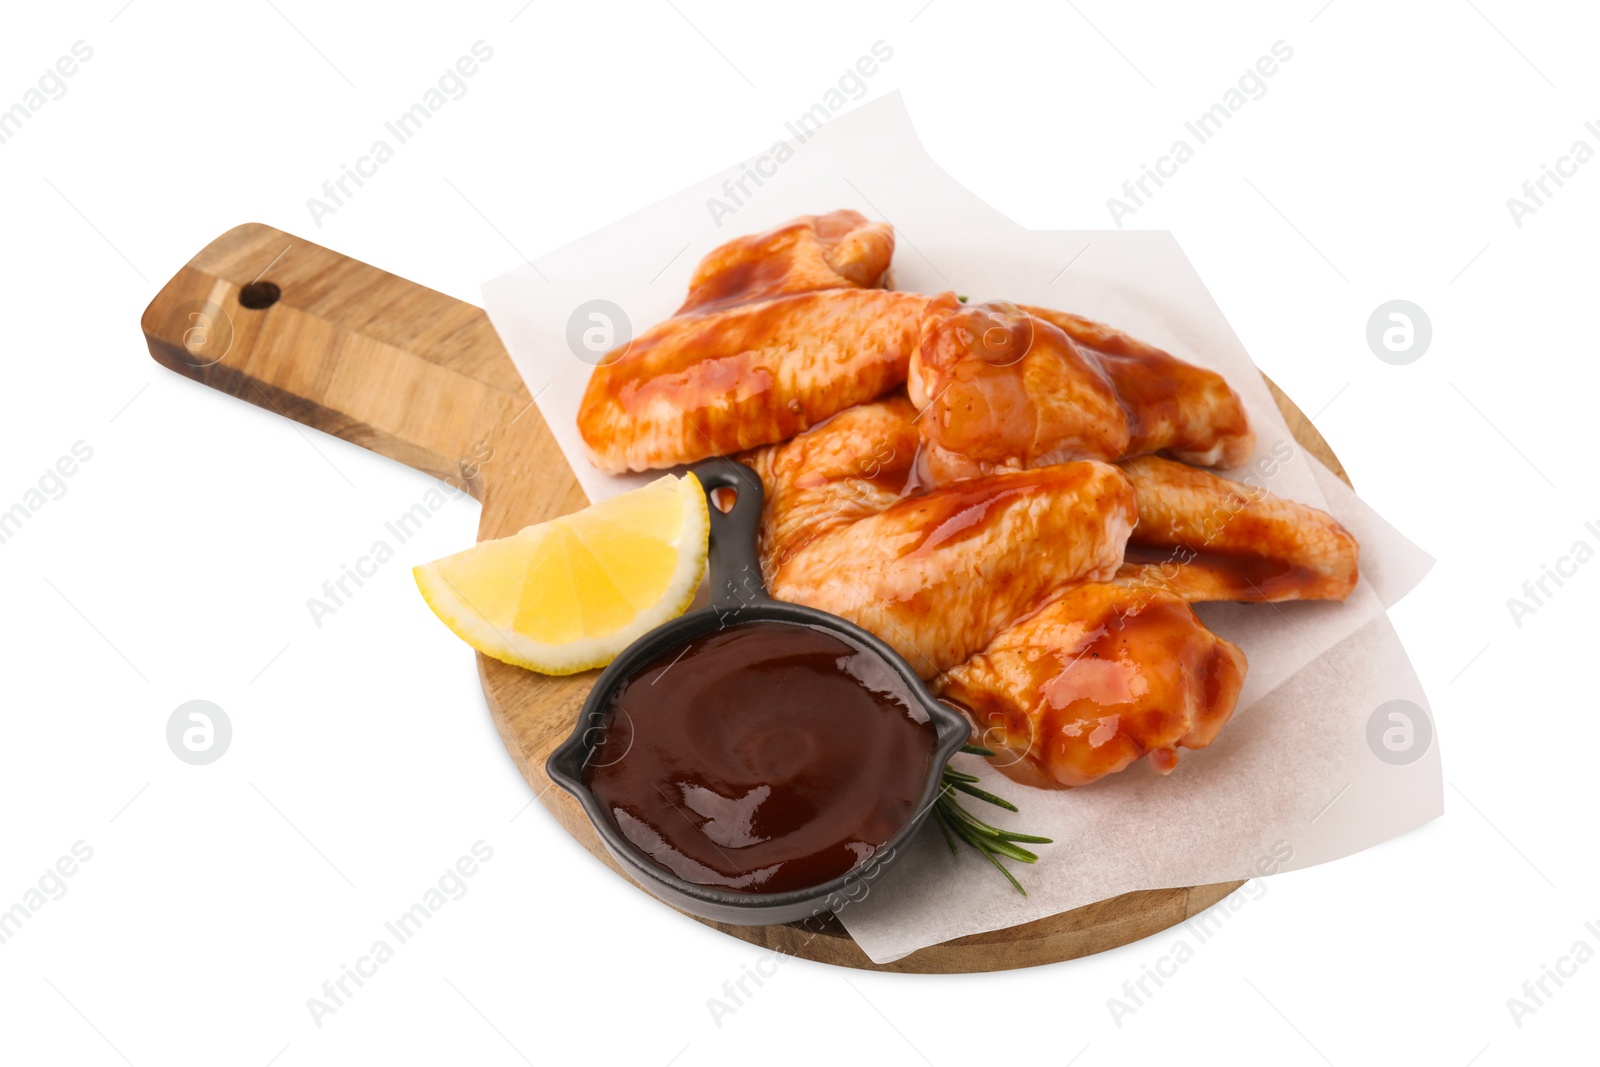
(423, 378)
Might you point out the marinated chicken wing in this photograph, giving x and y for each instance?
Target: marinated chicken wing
(708, 385)
(853, 465)
(839, 250)
(1099, 677)
(1175, 408)
(939, 574)
(777, 333)
(1203, 537)
(1002, 386)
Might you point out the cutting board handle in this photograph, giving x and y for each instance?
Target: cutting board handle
(361, 354)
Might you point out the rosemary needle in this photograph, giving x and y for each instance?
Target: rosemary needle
(991, 842)
(972, 790)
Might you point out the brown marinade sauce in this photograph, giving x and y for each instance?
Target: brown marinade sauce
(762, 758)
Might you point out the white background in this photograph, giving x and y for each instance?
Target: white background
(363, 763)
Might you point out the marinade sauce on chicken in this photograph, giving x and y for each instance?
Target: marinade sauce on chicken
(729, 773)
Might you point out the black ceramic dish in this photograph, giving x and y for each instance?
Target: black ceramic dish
(739, 596)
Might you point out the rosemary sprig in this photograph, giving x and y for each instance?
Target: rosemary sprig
(990, 841)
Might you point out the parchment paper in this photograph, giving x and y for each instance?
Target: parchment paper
(1293, 780)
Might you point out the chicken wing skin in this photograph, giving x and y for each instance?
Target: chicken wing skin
(853, 465)
(1003, 386)
(1175, 408)
(1096, 679)
(813, 252)
(939, 574)
(1204, 537)
(999, 388)
(714, 384)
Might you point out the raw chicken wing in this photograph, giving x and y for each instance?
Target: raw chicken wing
(779, 332)
(938, 575)
(1203, 537)
(1001, 386)
(1098, 678)
(709, 385)
(854, 465)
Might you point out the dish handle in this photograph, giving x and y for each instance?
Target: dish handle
(736, 581)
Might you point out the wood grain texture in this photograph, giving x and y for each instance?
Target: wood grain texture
(422, 378)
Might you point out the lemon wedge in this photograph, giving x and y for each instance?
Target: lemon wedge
(566, 595)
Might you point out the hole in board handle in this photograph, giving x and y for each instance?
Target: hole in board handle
(259, 295)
